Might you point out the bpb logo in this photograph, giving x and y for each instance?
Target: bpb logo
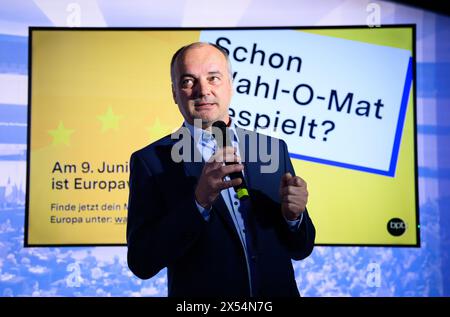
(396, 226)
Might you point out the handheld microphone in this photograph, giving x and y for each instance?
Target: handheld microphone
(223, 140)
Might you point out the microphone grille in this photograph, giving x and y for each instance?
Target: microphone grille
(219, 124)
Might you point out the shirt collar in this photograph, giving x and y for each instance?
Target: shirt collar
(200, 135)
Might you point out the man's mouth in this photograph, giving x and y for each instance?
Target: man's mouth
(204, 104)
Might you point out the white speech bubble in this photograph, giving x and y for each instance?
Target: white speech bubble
(334, 101)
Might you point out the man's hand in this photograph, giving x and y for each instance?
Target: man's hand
(211, 182)
(294, 196)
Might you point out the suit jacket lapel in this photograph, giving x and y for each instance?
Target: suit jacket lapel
(250, 168)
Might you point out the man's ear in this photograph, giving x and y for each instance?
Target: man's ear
(174, 95)
(231, 87)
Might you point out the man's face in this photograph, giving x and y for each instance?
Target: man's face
(202, 85)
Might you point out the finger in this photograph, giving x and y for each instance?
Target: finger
(294, 190)
(288, 198)
(288, 190)
(283, 182)
(213, 163)
(232, 158)
(295, 199)
(230, 183)
(216, 157)
(293, 207)
(291, 181)
(228, 169)
(284, 179)
(297, 181)
(229, 150)
(221, 154)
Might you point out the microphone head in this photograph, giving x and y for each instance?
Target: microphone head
(220, 124)
(221, 134)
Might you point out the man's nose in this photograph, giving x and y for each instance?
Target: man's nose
(203, 88)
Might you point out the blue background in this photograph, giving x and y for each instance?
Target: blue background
(329, 271)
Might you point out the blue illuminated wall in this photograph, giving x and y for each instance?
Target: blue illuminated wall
(329, 271)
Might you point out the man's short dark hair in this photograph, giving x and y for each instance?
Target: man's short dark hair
(183, 49)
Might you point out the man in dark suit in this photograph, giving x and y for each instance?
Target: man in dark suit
(186, 216)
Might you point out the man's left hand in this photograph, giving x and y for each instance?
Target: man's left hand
(294, 196)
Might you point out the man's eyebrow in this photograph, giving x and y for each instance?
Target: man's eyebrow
(214, 72)
(187, 75)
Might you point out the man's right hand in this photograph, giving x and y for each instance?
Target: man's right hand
(211, 182)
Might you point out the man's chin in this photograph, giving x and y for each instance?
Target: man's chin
(206, 121)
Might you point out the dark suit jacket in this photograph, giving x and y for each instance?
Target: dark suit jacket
(165, 228)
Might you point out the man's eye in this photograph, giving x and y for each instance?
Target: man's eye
(186, 83)
(214, 79)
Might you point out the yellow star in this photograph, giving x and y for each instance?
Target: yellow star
(157, 130)
(60, 135)
(109, 120)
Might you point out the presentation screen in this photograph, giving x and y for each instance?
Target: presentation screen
(342, 98)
